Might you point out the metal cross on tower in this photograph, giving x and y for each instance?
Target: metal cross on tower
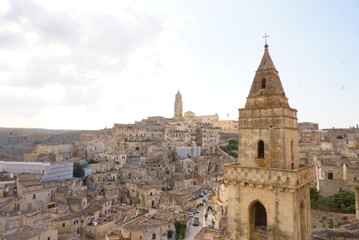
(265, 37)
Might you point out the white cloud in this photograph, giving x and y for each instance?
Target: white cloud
(112, 62)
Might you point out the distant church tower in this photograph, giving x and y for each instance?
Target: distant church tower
(268, 191)
(178, 107)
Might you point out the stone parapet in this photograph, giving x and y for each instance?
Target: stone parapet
(283, 178)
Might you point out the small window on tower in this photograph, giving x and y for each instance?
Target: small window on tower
(260, 149)
(264, 81)
(330, 175)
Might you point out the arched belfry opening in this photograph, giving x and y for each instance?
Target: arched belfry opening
(260, 149)
(264, 82)
(258, 221)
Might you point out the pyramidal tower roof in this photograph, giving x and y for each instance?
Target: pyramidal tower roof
(266, 63)
(178, 97)
(266, 89)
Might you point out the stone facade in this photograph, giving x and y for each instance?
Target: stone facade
(268, 191)
(228, 125)
(53, 153)
(208, 136)
(178, 109)
(158, 226)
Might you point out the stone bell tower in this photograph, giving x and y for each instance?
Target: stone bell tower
(178, 113)
(268, 191)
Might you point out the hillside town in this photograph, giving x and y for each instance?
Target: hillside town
(176, 178)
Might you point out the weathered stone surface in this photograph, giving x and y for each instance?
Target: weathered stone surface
(268, 192)
(291, 179)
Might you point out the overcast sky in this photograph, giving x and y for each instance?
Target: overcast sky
(89, 64)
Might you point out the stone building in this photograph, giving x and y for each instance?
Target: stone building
(33, 192)
(228, 125)
(188, 166)
(96, 142)
(209, 120)
(208, 136)
(178, 113)
(174, 137)
(53, 153)
(268, 191)
(33, 233)
(147, 196)
(307, 126)
(334, 153)
(77, 203)
(158, 226)
(219, 202)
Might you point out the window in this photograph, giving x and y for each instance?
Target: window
(34, 196)
(49, 238)
(260, 149)
(63, 224)
(330, 175)
(264, 81)
(153, 235)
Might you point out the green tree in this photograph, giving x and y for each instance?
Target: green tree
(78, 170)
(92, 161)
(233, 154)
(233, 144)
(180, 230)
(342, 200)
(315, 197)
(231, 148)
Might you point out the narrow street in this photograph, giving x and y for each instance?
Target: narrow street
(191, 230)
